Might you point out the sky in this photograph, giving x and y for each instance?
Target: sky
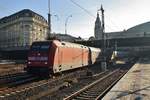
(119, 14)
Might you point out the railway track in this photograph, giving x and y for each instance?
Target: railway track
(35, 88)
(63, 86)
(9, 83)
(13, 78)
(84, 81)
(44, 87)
(7, 69)
(98, 88)
(2, 77)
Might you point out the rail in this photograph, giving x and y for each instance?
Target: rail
(87, 91)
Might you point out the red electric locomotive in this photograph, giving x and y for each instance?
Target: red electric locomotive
(58, 56)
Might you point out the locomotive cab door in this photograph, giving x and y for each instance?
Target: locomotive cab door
(89, 57)
(60, 54)
(82, 56)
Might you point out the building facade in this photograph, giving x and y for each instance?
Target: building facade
(98, 28)
(22, 28)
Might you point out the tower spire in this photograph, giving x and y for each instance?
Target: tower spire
(97, 13)
(98, 28)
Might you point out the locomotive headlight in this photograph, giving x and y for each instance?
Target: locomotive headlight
(29, 62)
(45, 63)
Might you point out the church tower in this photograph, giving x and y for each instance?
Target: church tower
(98, 28)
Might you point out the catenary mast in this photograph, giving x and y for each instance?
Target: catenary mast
(104, 64)
(49, 20)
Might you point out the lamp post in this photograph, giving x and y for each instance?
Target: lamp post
(66, 23)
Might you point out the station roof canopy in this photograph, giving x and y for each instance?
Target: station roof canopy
(144, 27)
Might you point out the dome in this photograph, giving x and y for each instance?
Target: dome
(144, 27)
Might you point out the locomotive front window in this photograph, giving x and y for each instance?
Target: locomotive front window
(35, 47)
(40, 46)
(44, 47)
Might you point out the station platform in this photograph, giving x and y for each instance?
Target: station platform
(135, 85)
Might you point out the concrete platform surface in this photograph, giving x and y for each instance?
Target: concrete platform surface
(135, 85)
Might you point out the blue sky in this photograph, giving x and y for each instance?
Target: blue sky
(119, 14)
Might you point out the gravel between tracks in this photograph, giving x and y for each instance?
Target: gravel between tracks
(62, 93)
(43, 89)
(23, 92)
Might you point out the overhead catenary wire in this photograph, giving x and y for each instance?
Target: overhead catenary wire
(2, 8)
(113, 23)
(5, 10)
(89, 13)
(115, 26)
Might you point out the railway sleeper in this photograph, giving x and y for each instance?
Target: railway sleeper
(91, 94)
(91, 91)
(83, 98)
(87, 95)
